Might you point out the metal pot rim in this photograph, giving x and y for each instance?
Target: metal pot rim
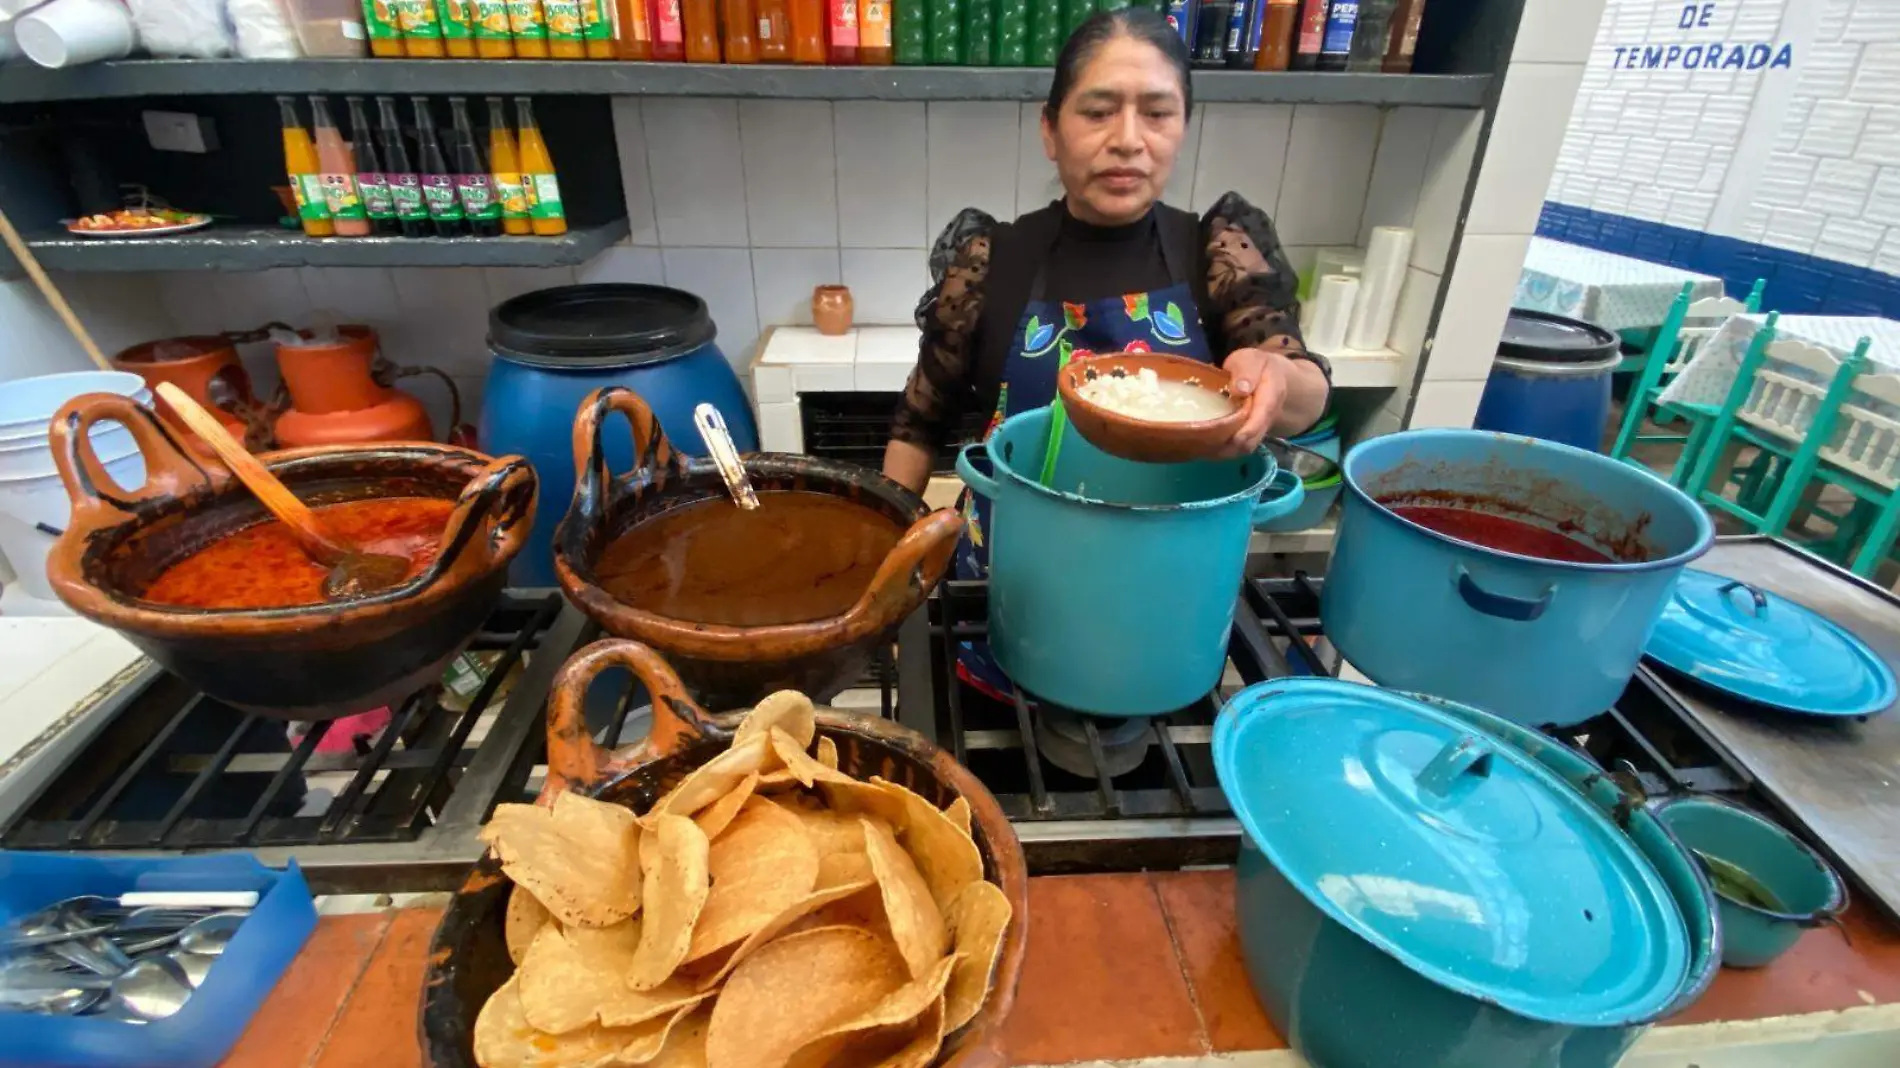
(1837, 886)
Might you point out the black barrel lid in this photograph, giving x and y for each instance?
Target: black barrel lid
(1545, 338)
(608, 325)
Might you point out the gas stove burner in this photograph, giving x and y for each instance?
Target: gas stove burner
(1063, 737)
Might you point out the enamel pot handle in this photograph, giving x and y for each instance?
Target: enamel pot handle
(981, 481)
(575, 762)
(1283, 495)
(1500, 605)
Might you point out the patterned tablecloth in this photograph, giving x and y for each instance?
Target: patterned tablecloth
(1615, 292)
(1710, 374)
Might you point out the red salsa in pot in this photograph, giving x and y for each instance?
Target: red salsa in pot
(263, 566)
(1500, 533)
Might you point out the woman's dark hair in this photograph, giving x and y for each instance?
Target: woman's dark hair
(1102, 27)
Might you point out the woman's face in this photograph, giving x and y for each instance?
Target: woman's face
(1114, 141)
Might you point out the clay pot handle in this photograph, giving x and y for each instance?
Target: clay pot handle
(575, 762)
(494, 511)
(651, 450)
(891, 589)
(98, 500)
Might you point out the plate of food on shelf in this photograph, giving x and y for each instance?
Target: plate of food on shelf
(138, 222)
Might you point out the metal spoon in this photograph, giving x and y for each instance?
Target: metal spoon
(206, 935)
(353, 573)
(35, 984)
(195, 966)
(712, 430)
(84, 948)
(152, 989)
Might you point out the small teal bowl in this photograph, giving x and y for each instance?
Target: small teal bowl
(1806, 886)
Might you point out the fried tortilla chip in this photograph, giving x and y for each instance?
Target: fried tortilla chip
(650, 1038)
(796, 917)
(946, 856)
(580, 858)
(630, 1007)
(916, 923)
(978, 917)
(863, 909)
(827, 751)
(677, 885)
(567, 975)
(841, 869)
(800, 765)
(912, 1046)
(900, 1010)
(794, 989)
(524, 919)
(959, 814)
(764, 863)
(786, 710)
(505, 1039)
(716, 817)
(715, 778)
(832, 831)
(685, 1045)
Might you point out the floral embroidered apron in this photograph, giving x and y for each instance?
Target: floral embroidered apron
(1048, 334)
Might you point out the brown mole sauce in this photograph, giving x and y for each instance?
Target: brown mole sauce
(798, 557)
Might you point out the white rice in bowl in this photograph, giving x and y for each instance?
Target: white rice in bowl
(1147, 396)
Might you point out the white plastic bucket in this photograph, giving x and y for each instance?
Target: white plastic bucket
(33, 458)
(28, 404)
(25, 502)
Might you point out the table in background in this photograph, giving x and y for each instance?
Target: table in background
(1710, 374)
(1628, 296)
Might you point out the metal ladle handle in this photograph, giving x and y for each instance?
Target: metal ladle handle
(712, 430)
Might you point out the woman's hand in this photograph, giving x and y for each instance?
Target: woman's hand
(1284, 395)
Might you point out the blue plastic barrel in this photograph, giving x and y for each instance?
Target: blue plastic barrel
(1551, 380)
(553, 347)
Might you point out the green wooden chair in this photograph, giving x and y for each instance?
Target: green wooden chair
(1862, 456)
(1643, 338)
(1687, 327)
(1770, 408)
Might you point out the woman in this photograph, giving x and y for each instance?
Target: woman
(1110, 268)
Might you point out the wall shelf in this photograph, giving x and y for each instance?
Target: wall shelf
(256, 248)
(22, 82)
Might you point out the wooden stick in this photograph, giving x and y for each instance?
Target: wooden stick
(276, 496)
(60, 307)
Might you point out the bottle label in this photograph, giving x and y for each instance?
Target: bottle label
(1343, 16)
(563, 19)
(491, 20)
(765, 29)
(667, 28)
(844, 23)
(308, 189)
(381, 17)
(478, 197)
(875, 31)
(524, 19)
(544, 197)
(513, 194)
(405, 190)
(417, 18)
(439, 191)
(458, 19)
(598, 21)
(340, 196)
(376, 197)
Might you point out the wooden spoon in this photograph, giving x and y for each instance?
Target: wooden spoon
(353, 573)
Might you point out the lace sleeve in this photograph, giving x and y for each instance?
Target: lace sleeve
(939, 388)
(1252, 287)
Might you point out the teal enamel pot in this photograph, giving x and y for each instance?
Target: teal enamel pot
(1747, 854)
(1417, 888)
(1537, 641)
(1112, 589)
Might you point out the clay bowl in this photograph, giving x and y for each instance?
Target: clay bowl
(308, 662)
(468, 959)
(728, 667)
(1141, 439)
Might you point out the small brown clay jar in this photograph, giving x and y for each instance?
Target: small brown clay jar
(831, 309)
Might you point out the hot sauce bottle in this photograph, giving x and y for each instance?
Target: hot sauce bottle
(739, 23)
(472, 186)
(808, 31)
(438, 183)
(775, 31)
(701, 21)
(300, 163)
(338, 174)
(1276, 35)
(405, 186)
(371, 181)
(841, 33)
(669, 30)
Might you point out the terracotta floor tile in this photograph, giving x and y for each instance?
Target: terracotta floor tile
(1822, 973)
(290, 1026)
(378, 1024)
(1200, 909)
(1101, 980)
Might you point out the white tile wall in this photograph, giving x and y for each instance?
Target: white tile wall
(1557, 31)
(791, 187)
(973, 147)
(886, 283)
(1244, 148)
(635, 181)
(1328, 167)
(1447, 173)
(1521, 154)
(1477, 297)
(695, 160)
(723, 277)
(782, 279)
(1398, 170)
(1446, 404)
(881, 174)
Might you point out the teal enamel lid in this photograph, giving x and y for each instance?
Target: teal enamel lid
(1451, 850)
(1764, 648)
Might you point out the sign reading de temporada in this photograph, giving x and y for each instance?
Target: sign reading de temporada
(1712, 55)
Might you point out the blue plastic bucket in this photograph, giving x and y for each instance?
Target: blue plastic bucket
(1551, 380)
(1112, 589)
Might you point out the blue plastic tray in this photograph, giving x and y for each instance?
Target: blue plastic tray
(210, 1023)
